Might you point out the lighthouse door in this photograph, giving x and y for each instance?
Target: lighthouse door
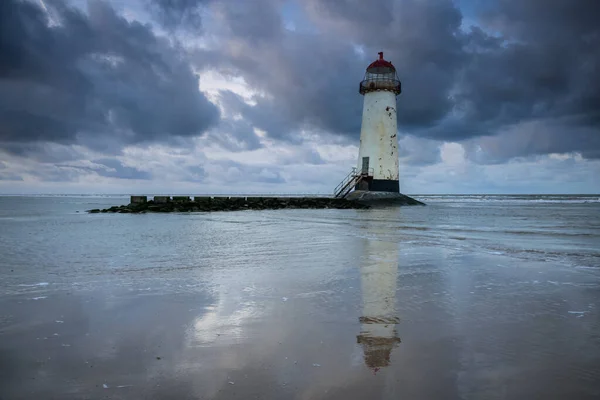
(365, 166)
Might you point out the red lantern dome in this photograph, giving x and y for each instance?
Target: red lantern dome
(381, 63)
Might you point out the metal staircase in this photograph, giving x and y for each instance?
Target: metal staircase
(349, 182)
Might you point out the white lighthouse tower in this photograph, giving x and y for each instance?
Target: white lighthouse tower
(376, 176)
(378, 154)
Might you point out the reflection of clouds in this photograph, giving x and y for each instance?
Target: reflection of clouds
(226, 341)
(217, 322)
(216, 335)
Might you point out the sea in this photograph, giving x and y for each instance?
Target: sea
(469, 297)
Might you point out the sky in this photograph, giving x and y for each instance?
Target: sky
(261, 96)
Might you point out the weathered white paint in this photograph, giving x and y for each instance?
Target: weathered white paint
(378, 135)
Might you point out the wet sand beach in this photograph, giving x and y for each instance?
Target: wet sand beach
(482, 298)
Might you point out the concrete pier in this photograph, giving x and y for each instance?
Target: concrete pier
(383, 198)
(138, 199)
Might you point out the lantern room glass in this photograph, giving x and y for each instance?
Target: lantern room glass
(380, 78)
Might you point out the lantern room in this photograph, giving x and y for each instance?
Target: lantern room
(380, 75)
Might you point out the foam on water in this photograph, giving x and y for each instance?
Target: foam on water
(35, 284)
(522, 199)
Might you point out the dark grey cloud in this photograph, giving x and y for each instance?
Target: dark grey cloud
(355, 14)
(106, 167)
(267, 175)
(312, 77)
(72, 171)
(178, 13)
(234, 172)
(540, 62)
(235, 135)
(115, 169)
(10, 177)
(535, 138)
(257, 20)
(65, 75)
(529, 60)
(235, 132)
(310, 81)
(43, 152)
(96, 79)
(196, 173)
(275, 119)
(545, 66)
(538, 81)
(6, 175)
(418, 152)
(421, 37)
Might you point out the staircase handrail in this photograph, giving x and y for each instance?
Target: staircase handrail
(348, 177)
(352, 179)
(349, 186)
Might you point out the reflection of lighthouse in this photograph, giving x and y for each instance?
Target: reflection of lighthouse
(378, 274)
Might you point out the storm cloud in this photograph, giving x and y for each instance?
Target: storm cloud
(65, 75)
(174, 14)
(528, 61)
(505, 79)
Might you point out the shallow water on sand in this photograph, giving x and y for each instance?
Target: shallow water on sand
(471, 297)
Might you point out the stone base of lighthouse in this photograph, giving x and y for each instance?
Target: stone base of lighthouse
(373, 198)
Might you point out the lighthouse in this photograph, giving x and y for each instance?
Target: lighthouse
(376, 176)
(378, 153)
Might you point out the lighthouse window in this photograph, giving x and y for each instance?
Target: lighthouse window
(380, 71)
(379, 77)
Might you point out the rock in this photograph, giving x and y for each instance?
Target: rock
(236, 204)
(94, 211)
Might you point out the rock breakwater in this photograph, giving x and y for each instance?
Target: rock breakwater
(139, 205)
